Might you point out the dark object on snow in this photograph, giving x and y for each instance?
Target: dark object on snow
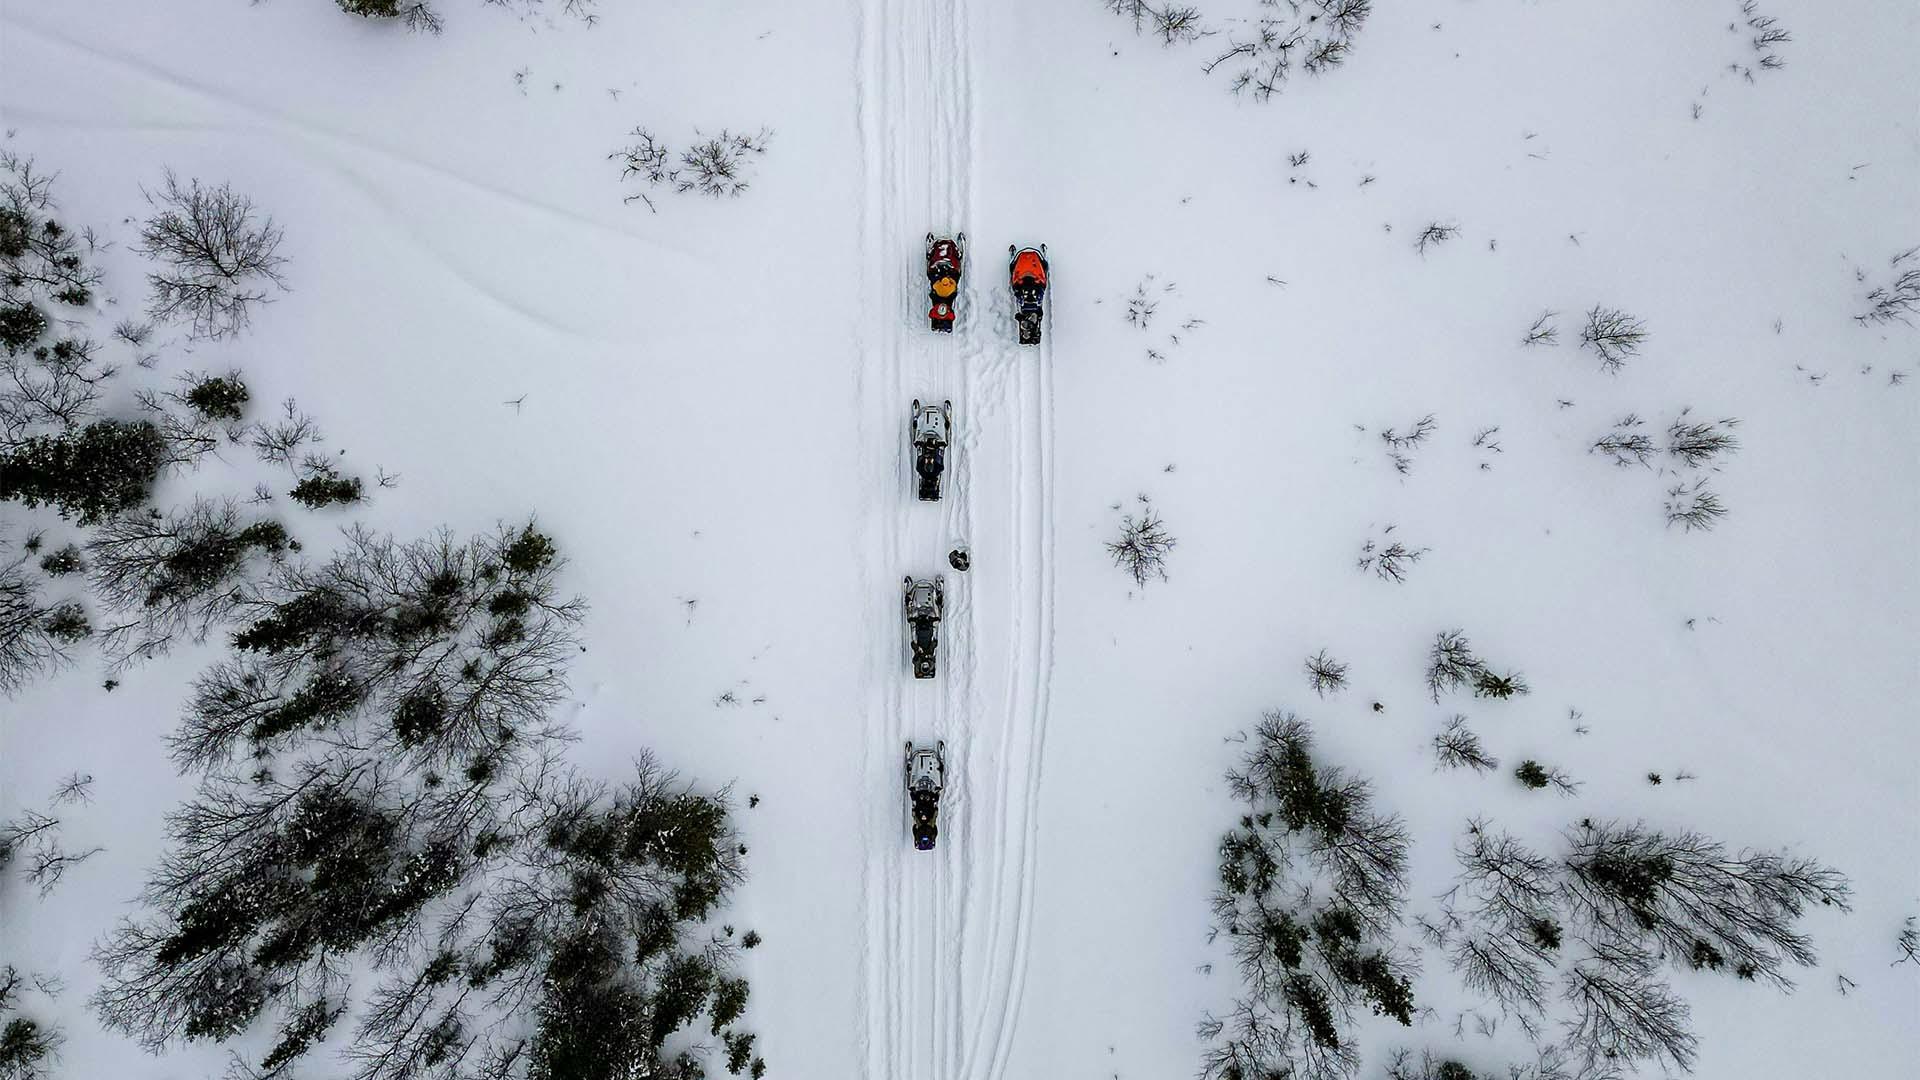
(959, 559)
(926, 770)
(931, 428)
(944, 266)
(1027, 273)
(924, 601)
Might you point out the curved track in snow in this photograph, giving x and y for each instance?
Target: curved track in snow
(946, 931)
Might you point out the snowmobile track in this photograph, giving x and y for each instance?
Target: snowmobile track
(947, 930)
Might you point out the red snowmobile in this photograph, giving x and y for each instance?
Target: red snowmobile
(1027, 273)
(944, 265)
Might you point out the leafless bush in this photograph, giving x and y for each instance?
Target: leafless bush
(38, 836)
(1692, 506)
(1271, 41)
(1389, 562)
(277, 443)
(1908, 942)
(1626, 444)
(1543, 331)
(1452, 664)
(1458, 747)
(1696, 443)
(1143, 545)
(1434, 235)
(714, 165)
(1767, 34)
(1325, 674)
(1613, 335)
(1899, 298)
(218, 257)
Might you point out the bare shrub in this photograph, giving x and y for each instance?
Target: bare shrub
(1452, 665)
(1458, 747)
(1898, 299)
(1543, 331)
(1143, 545)
(1626, 444)
(1692, 506)
(1434, 235)
(713, 165)
(1325, 674)
(218, 256)
(1696, 443)
(1613, 335)
(1389, 561)
(1267, 44)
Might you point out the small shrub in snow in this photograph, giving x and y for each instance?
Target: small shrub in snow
(322, 486)
(1613, 335)
(715, 165)
(1898, 299)
(1389, 561)
(1434, 235)
(218, 257)
(1543, 331)
(1325, 674)
(1907, 943)
(1626, 444)
(1453, 665)
(217, 397)
(1696, 443)
(1458, 747)
(35, 636)
(1143, 545)
(413, 14)
(1692, 506)
(1534, 775)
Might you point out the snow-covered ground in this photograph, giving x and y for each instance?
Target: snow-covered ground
(706, 406)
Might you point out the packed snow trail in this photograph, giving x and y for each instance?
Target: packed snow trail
(947, 930)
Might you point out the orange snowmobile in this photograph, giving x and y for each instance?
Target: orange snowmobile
(1027, 273)
(944, 259)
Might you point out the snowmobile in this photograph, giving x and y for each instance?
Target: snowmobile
(924, 601)
(932, 429)
(926, 777)
(1027, 272)
(944, 265)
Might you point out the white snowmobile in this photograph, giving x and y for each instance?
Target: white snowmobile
(932, 429)
(924, 601)
(926, 771)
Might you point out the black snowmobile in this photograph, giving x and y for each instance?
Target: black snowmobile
(1027, 273)
(944, 265)
(926, 771)
(931, 429)
(924, 601)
